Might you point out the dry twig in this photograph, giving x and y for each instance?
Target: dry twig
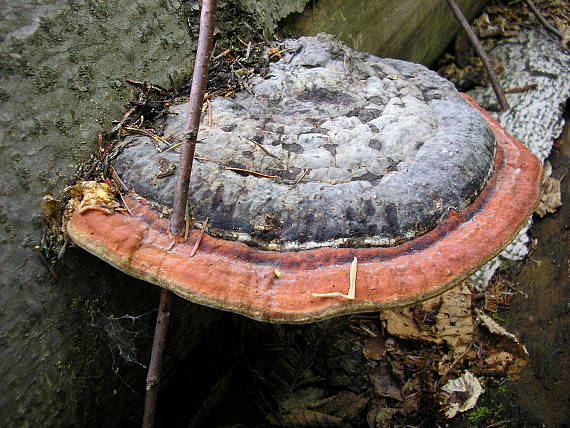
(542, 19)
(482, 54)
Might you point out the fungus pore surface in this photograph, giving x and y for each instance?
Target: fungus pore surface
(331, 148)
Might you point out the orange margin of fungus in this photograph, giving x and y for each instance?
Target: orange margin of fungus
(231, 276)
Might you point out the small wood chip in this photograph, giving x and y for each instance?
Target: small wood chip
(248, 171)
(197, 244)
(352, 287)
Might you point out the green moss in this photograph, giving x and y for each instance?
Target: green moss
(490, 408)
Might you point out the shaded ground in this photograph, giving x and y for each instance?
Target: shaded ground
(540, 316)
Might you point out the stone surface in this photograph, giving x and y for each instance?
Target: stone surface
(411, 30)
(536, 114)
(361, 151)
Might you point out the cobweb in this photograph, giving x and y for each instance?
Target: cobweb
(123, 335)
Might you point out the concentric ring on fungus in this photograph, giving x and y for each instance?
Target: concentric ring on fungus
(338, 155)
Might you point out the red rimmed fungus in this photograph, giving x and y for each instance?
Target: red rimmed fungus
(233, 276)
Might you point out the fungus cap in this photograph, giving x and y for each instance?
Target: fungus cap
(393, 168)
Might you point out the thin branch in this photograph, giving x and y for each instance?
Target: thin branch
(207, 24)
(249, 171)
(199, 239)
(482, 54)
(199, 77)
(153, 376)
(542, 19)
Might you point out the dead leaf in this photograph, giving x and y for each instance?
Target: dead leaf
(307, 408)
(89, 195)
(454, 322)
(305, 418)
(379, 415)
(461, 394)
(385, 383)
(346, 405)
(51, 209)
(374, 348)
(401, 323)
(503, 344)
(550, 193)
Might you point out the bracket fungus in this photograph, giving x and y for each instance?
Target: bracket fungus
(335, 164)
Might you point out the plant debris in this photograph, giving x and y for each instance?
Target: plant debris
(550, 193)
(351, 287)
(423, 363)
(497, 22)
(461, 394)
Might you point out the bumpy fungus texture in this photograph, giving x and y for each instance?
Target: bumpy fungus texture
(362, 151)
(375, 159)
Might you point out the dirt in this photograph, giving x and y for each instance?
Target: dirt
(540, 314)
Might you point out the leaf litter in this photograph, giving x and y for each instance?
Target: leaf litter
(417, 365)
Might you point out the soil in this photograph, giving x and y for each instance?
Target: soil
(540, 315)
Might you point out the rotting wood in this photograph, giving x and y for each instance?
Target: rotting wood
(482, 54)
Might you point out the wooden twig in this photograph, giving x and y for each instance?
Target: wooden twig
(47, 263)
(542, 19)
(200, 236)
(522, 89)
(120, 124)
(302, 175)
(199, 77)
(249, 171)
(482, 54)
(268, 153)
(153, 376)
(147, 133)
(207, 24)
(351, 287)
(120, 183)
(210, 120)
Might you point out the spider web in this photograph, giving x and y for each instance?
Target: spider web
(123, 334)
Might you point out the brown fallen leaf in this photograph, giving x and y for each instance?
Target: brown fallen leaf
(374, 348)
(345, 404)
(401, 323)
(385, 383)
(550, 193)
(503, 343)
(454, 322)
